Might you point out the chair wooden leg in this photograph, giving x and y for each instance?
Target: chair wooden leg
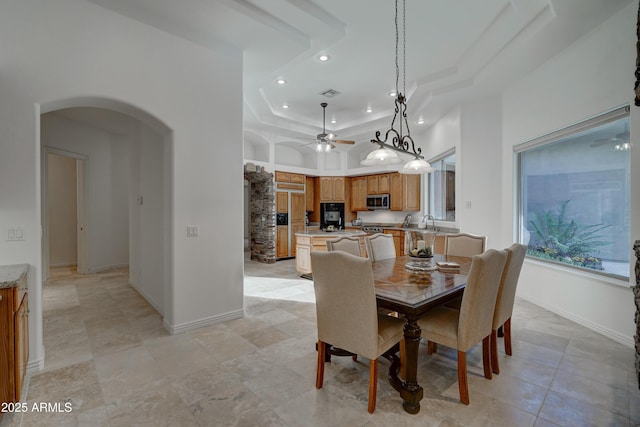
(373, 385)
(495, 367)
(463, 386)
(320, 368)
(507, 337)
(486, 356)
(432, 347)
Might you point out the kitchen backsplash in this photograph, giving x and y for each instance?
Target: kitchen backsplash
(388, 217)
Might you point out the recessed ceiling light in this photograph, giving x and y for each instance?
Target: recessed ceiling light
(281, 81)
(333, 120)
(285, 106)
(323, 58)
(420, 122)
(369, 110)
(392, 93)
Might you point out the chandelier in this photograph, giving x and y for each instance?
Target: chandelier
(387, 153)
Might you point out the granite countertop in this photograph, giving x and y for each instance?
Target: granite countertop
(312, 233)
(10, 275)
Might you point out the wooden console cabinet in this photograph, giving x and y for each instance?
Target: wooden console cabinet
(14, 331)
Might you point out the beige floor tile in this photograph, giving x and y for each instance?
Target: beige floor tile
(108, 354)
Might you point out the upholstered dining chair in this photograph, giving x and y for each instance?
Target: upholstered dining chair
(380, 246)
(464, 328)
(464, 244)
(346, 244)
(346, 313)
(504, 301)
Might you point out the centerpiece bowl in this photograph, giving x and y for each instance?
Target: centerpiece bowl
(418, 244)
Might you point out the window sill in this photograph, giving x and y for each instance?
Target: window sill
(593, 275)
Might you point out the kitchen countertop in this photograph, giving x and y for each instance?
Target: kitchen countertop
(10, 275)
(316, 233)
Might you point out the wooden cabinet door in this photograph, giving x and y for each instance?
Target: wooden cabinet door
(296, 227)
(298, 205)
(326, 189)
(282, 241)
(395, 191)
(339, 191)
(282, 202)
(309, 194)
(296, 178)
(372, 184)
(359, 193)
(283, 176)
(411, 184)
(21, 324)
(303, 259)
(383, 184)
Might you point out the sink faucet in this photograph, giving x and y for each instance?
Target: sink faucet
(426, 219)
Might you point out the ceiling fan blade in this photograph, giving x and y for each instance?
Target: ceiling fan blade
(343, 141)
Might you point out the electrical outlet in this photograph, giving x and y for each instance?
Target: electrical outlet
(468, 205)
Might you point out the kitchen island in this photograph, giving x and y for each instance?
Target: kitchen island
(316, 241)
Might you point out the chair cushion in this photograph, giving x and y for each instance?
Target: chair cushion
(390, 331)
(441, 325)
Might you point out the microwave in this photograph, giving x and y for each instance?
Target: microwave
(378, 201)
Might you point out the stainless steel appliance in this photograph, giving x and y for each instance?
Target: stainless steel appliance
(331, 214)
(378, 201)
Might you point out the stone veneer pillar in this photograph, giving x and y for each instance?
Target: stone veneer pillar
(262, 213)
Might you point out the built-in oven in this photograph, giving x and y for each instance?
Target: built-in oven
(378, 201)
(282, 219)
(331, 214)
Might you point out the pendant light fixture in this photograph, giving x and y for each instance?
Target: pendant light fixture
(387, 153)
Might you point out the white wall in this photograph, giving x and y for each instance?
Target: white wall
(590, 77)
(106, 180)
(478, 170)
(71, 52)
(62, 211)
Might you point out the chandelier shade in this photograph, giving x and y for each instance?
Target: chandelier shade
(381, 156)
(416, 167)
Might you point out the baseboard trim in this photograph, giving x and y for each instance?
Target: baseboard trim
(196, 324)
(104, 268)
(35, 366)
(609, 333)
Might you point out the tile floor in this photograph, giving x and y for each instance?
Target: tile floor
(108, 355)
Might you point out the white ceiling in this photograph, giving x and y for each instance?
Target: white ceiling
(455, 50)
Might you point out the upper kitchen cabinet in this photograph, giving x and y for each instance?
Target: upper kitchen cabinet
(282, 202)
(359, 193)
(309, 187)
(333, 189)
(378, 184)
(404, 192)
(294, 178)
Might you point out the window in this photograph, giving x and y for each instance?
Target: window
(574, 195)
(442, 187)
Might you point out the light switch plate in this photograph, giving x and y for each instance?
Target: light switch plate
(15, 233)
(192, 231)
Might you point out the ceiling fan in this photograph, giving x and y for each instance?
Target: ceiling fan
(324, 141)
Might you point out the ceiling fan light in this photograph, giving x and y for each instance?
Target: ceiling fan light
(381, 156)
(416, 167)
(324, 147)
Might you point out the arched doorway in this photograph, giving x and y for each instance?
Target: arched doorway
(127, 189)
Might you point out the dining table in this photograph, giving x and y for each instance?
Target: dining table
(411, 287)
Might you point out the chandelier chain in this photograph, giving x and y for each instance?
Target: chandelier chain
(404, 48)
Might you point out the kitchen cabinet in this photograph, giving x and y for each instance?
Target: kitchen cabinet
(332, 189)
(309, 192)
(378, 184)
(282, 241)
(398, 240)
(359, 193)
(14, 331)
(282, 202)
(404, 192)
(317, 242)
(295, 178)
(292, 203)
